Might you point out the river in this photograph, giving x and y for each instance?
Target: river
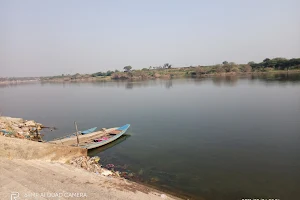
(211, 138)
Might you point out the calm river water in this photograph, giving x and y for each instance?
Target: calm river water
(213, 138)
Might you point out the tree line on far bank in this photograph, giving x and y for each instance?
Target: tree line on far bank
(277, 63)
(266, 65)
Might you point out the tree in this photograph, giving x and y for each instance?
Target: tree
(109, 73)
(225, 63)
(229, 67)
(251, 63)
(219, 69)
(246, 68)
(98, 74)
(294, 63)
(278, 62)
(127, 68)
(167, 66)
(266, 62)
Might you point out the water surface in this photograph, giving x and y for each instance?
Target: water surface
(213, 138)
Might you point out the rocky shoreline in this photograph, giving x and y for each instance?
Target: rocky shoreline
(20, 128)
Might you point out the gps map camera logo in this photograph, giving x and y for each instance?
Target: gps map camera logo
(14, 196)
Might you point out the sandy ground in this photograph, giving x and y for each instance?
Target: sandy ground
(36, 179)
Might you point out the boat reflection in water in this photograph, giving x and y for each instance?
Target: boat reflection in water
(94, 152)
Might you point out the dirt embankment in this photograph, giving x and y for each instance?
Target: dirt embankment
(26, 149)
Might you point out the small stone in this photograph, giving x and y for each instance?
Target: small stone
(106, 173)
(118, 173)
(20, 132)
(25, 129)
(20, 125)
(30, 123)
(84, 165)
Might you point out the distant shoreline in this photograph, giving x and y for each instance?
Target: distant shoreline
(18, 81)
(168, 75)
(167, 71)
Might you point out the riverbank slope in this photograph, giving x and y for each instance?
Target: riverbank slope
(36, 179)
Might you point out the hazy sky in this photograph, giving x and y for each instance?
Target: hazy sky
(40, 37)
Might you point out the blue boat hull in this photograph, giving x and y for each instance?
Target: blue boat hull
(93, 145)
(91, 130)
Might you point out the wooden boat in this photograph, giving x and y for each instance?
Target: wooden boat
(91, 130)
(94, 139)
(88, 131)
